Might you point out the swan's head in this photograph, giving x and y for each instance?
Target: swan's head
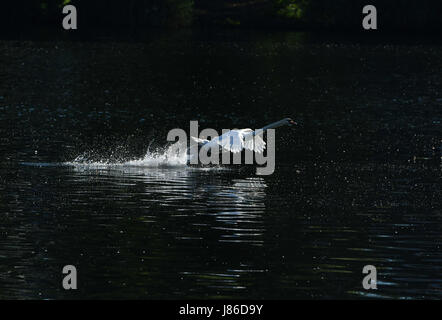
(290, 122)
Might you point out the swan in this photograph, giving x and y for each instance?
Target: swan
(237, 140)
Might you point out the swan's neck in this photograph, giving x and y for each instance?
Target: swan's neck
(271, 126)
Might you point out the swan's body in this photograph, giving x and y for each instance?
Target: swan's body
(239, 139)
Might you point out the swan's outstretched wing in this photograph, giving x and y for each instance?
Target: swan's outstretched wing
(254, 143)
(232, 141)
(236, 140)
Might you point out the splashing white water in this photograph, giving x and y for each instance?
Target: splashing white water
(162, 158)
(168, 157)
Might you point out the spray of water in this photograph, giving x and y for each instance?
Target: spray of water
(160, 158)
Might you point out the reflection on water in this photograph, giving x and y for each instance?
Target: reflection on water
(142, 215)
(357, 183)
(208, 232)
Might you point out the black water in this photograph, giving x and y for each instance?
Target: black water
(357, 183)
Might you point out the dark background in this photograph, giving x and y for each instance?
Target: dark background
(394, 15)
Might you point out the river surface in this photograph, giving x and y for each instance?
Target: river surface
(84, 180)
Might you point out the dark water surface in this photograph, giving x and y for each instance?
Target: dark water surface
(357, 183)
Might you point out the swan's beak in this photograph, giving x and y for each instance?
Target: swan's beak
(292, 123)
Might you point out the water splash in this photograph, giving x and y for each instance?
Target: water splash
(170, 156)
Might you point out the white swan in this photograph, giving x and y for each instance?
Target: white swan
(239, 139)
